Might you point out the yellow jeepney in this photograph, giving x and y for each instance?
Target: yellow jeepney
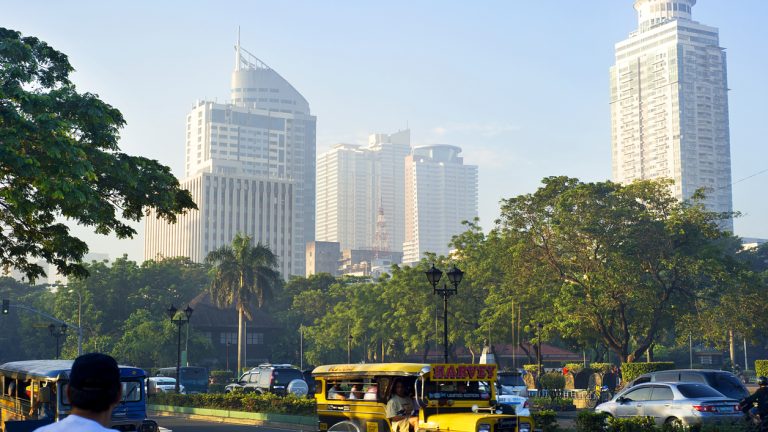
(455, 397)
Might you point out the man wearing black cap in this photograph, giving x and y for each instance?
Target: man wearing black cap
(93, 391)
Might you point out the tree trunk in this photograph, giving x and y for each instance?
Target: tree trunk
(650, 354)
(527, 353)
(240, 343)
(733, 348)
(426, 352)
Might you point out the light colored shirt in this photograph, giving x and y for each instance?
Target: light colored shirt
(397, 404)
(74, 423)
(334, 393)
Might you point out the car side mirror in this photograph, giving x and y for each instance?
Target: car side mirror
(620, 400)
(151, 387)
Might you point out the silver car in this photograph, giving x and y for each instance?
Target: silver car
(680, 402)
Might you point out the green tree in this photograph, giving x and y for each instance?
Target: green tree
(614, 258)
(60, 158)
(244, 272)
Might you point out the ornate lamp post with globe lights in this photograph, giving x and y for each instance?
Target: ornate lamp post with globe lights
(454, 276)
(179, 322)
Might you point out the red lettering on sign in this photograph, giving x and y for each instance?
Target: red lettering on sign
(439, 372)
(481, 372)
(461, 372)
(450, 372)
(489, 370)
(472, 371)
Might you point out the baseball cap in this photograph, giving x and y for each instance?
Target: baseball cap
(94, 372)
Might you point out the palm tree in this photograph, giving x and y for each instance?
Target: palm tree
(243, 271)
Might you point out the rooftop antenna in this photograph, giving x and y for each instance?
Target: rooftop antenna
(237, 50)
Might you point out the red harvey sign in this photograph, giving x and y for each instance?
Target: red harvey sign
(462, 372)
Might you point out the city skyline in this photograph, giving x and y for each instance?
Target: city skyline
(516, 102)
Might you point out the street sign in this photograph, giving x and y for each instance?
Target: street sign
(183, 358)
(40, 325)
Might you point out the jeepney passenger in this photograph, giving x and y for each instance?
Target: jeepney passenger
(357, 392)
(399, 410)
(335, 392)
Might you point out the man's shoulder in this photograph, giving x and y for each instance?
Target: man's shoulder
(71, 422)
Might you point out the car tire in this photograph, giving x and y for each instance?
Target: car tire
(297, 387)
(673, 421)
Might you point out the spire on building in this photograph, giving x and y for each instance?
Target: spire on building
(381, 240)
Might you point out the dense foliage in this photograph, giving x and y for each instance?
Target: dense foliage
(60, 159)
(761, 367)
(267, 403)
(630, 371)
(123, 313)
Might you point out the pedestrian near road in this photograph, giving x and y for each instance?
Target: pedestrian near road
(94, 390)
(565, 370)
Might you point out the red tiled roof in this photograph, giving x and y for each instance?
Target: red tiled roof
(548, 352)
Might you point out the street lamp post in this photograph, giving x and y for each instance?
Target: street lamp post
(57, 334)
(349, 349)
(228, 344)
(180, 322)
(454, 276)
(79, 318)
(539, 327)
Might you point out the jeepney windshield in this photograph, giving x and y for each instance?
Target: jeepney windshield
(458, 390)
(132, 390)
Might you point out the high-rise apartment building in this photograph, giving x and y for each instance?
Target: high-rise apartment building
(354, 182)
(669, 104)
(440, 193)
(249, 165)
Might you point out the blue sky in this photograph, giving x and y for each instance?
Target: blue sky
(521, 86)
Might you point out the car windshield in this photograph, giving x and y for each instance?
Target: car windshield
(193, 374)
(728, 385)
(508, 391)
(131, 391)
(285, 376)
(510, 379)
(694, 391)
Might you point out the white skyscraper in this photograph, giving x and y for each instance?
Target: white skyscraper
(440, 193)
(669, 104)
(250, 168)
(354, 182)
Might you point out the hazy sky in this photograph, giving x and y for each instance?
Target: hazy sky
(521, 86)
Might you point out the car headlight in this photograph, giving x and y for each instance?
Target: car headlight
(483, 427)
(525, 427)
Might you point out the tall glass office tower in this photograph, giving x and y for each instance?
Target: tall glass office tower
(250, 166)
(669, 104)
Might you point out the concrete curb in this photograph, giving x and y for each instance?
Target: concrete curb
(280, 421)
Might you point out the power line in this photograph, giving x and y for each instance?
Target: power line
(745, 178)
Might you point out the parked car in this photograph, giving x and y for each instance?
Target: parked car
(165, 384)
(272, 378)
(683, 403)
(193, 378)
(511, 396)
(724, 382)
(513, 380)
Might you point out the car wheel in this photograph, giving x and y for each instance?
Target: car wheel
(673, 421)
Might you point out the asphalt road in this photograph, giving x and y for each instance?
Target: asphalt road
(187, 425)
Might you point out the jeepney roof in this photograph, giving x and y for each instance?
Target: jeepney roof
(54, 368)
(370, 369)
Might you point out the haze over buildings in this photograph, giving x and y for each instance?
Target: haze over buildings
(354, 183)
(669, 104)
(440, 193)
(249, 165)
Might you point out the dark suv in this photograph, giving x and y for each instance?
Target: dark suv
(272, 378)
(724, 382)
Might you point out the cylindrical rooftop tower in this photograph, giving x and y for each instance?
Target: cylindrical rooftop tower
(650, 12)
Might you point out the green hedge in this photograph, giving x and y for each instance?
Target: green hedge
(630, 371)
(602, 368)
(761, 367)
(545, 421)
(552, 381)
(531, 368)
(267, 403)
(222, 377)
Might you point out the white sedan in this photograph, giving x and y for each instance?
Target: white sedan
(165, 384)
(512, 397)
